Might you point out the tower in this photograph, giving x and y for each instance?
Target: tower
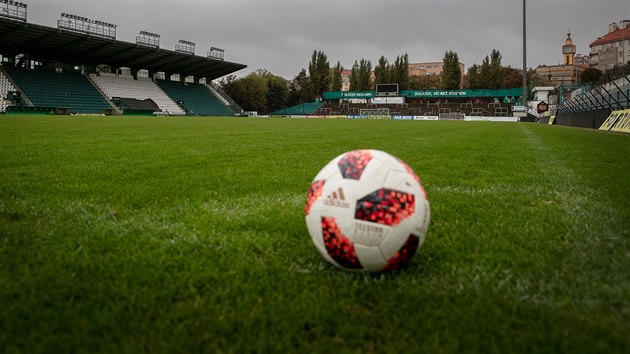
(568, 50)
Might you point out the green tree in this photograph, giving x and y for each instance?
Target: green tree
(364, 80)
(400, 71)
(533, 80)
(336, 81)
(511, 77)
(472, 78)
(354, 77)
(491, 71)
(300, 89)
(451, 73)
(277, 94)
(381, 71)
(360, 79)
(485, 73)
(319, 73)
(590, 75)
(251, 91)
(425, 82)
(496, 69)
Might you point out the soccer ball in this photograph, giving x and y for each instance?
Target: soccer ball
(367, 210)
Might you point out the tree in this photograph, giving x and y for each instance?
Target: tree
(400, 71)
(590, 75)
(533, 80)
(277, 94)
(364, 82)
(251, 91)
(396, 73)
(381, 71)
(451, 73)
(300, 89)
(319, 73)
(496, 69)
(425, 82)
(473, 78)
(354, 77)
(485, 73)
(336, 81)
(491, 71)
(511, 77)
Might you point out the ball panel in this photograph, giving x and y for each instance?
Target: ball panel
(403, 256)
(413, 174)
(338, 246)
(401, 181)
(386, 207)
(354, 163)
(314, 192)
(371, 258)
(369, 234)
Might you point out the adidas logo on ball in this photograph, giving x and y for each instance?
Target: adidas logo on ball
(337, 199)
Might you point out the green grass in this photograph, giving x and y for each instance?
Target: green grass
(131, 235)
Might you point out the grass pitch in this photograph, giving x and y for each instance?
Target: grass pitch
(131, 235)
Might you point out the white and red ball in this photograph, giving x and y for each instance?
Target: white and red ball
(367, 210)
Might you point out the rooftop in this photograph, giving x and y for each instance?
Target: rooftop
(615, 36)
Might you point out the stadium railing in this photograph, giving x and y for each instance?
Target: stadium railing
(614, 95)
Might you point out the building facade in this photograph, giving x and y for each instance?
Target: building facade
(567, 74)
(433, 68)
(612, 48)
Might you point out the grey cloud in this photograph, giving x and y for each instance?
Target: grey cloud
(281, 35)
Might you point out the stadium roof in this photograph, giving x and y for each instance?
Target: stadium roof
(59, 45)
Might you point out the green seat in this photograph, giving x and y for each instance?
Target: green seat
(46, 88)
(197, 98)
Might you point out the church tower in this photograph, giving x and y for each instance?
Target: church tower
(568, 50)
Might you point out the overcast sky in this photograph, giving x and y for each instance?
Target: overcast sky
(280, 35)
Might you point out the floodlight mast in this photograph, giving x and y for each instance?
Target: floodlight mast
(185, 47)
(13, 9)
(524, 98)
(148, 39)
(85, 25)
(216, 53)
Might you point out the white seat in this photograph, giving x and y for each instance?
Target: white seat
(141, 89)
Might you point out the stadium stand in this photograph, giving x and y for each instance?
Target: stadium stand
(134, 107)
(420, 107)
(196, 99)
(78, 50)
(47, 88)
(225, 98)
(613, 95)
(5, 87)
(590, 107)
(301, 109)
(121, 86)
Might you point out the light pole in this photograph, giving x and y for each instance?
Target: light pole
(524, 55)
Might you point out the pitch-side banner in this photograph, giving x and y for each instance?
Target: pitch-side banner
(497, 93)
(618, 121)
(490, 119)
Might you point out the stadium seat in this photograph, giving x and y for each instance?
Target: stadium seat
(5, 87)
(303, 109)
(198, 99)
(141, 89)
(47, 88)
